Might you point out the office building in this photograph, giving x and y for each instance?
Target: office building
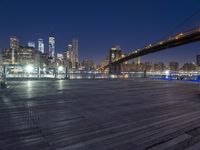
(88, 64)
(174, 66)
(74, 55)
(52, 48)
(41, 45)
(14, 46)
(31, 44)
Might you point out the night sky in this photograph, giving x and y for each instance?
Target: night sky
(100, 24)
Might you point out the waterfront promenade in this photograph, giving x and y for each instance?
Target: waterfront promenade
(118, 114)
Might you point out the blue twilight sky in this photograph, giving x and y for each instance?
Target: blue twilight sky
(100, 24)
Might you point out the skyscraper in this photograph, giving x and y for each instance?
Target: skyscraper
(14, 42)
(52, 47)
(41, 45)
(75, 57)
(31, 44)
(14, 46)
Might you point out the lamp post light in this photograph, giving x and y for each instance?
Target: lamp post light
(29, 69)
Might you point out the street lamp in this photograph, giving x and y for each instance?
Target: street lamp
(60, 68)
(29, 68)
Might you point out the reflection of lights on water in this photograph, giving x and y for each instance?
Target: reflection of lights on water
(30, 104)
(29, 83)
(167, 73)
(60, 85)
(29, 89)
(6, 100)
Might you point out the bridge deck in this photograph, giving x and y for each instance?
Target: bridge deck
(100, 115)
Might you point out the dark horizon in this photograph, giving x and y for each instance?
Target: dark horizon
(100, 25)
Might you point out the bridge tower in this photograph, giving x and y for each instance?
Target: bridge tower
(115, 54)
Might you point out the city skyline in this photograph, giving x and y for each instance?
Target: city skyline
(131, 27)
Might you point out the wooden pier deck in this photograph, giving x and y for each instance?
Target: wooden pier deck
(133, 114)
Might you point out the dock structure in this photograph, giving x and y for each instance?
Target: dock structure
(132, 114)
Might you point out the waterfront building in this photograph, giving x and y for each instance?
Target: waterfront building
(88, 64)
(7, 56)
(174, 66)
(159, 67)
(188, 67)
(26, 55)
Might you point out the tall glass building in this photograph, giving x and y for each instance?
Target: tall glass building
(52, 47)
(41, 45)
(14, 46)
(31, 44)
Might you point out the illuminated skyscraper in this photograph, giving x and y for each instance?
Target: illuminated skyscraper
(14, 46)
(31, 44)
(75, 57)
(41, 45)
(52, 47)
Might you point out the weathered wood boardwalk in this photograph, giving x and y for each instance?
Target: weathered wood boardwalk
(132, 114)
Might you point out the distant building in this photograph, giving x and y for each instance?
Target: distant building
(159, 67)
(198, 60)
(26, 55)
(137, 61)
(41, 45)
(74, 55)
(71, 57)
(174, 66)
(60, 56)
(88, 64)
(8, 56)
(128, 68)
(148, 66)
(104, 62)
(188, 67)
(14, 43)
(14, 46)
(67, 57)
(52, 48)
(44, 59)
(31, 44)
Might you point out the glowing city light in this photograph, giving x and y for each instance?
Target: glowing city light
(29, 68)
(167, 72)
(60, 68)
